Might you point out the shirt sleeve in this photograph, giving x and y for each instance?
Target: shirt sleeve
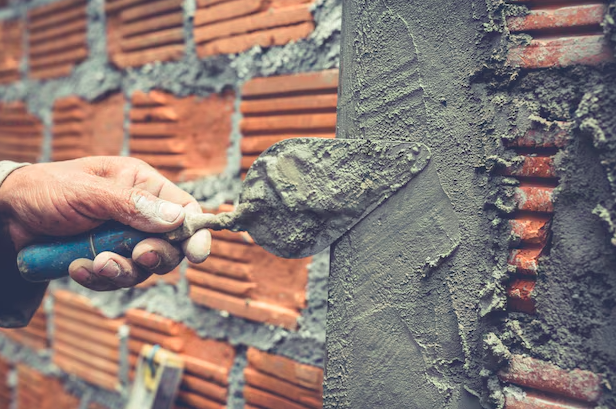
(19, 298)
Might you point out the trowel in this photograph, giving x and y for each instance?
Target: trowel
(298, 198)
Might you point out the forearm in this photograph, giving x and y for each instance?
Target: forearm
(19, 298)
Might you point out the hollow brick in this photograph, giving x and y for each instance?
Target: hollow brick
(581, 385)
(274, 382)
(84, 129)
(141, 32)
(48, 57)
(184, 138)
(11, 33)
(21, 133)
(224, 27)
(206, 362)
(285, 107)
(243, 279)
(85, 342)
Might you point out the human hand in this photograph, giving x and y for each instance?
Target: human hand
(72, 197)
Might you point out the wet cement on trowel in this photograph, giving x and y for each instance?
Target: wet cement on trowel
(302, 194)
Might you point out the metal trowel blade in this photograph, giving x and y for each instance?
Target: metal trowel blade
(303, 194)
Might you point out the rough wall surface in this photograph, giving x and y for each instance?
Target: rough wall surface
(488, 280)
(133, 71)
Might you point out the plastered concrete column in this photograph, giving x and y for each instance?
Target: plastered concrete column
(402, 327)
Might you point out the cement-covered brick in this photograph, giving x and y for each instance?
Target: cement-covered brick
(532, 373)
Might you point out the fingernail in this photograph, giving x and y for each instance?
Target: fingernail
(81, 275)
(169, 212)
(110, 270)
(149, 259)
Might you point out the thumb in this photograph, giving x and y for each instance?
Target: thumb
(139, 209)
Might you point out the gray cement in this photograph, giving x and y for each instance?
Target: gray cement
(97, 77)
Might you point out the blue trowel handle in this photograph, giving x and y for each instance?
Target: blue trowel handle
(50, 258)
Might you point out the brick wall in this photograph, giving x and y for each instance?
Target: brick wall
(194, 94)
(563, 35)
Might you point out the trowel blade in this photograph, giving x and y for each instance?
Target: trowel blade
(302, 194)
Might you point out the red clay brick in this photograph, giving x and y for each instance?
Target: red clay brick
(561, 52)
(305, 397)
(141, 32)
(554, 137)
(534, 166)
(87, 129)
(206, 362)
(531, 229)
(6, 391)
(260, 21)
(229, 10)
(184, 138)
(559, 17)
(276, 382)
(21, 133)
(37, 391)
(89, 351)
(245, 280)
(284, 107)
(223, 27)
(11, 32)
(536, 374)
(526, 259)
(534, 198)
(49, 57)
(306, 376)
(519, 296)
(534, 400)
(34, 335)
(263, 38)
(320, 81)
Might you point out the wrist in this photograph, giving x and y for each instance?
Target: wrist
(9, 172)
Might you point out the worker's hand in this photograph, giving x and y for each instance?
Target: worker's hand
(72, 197)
